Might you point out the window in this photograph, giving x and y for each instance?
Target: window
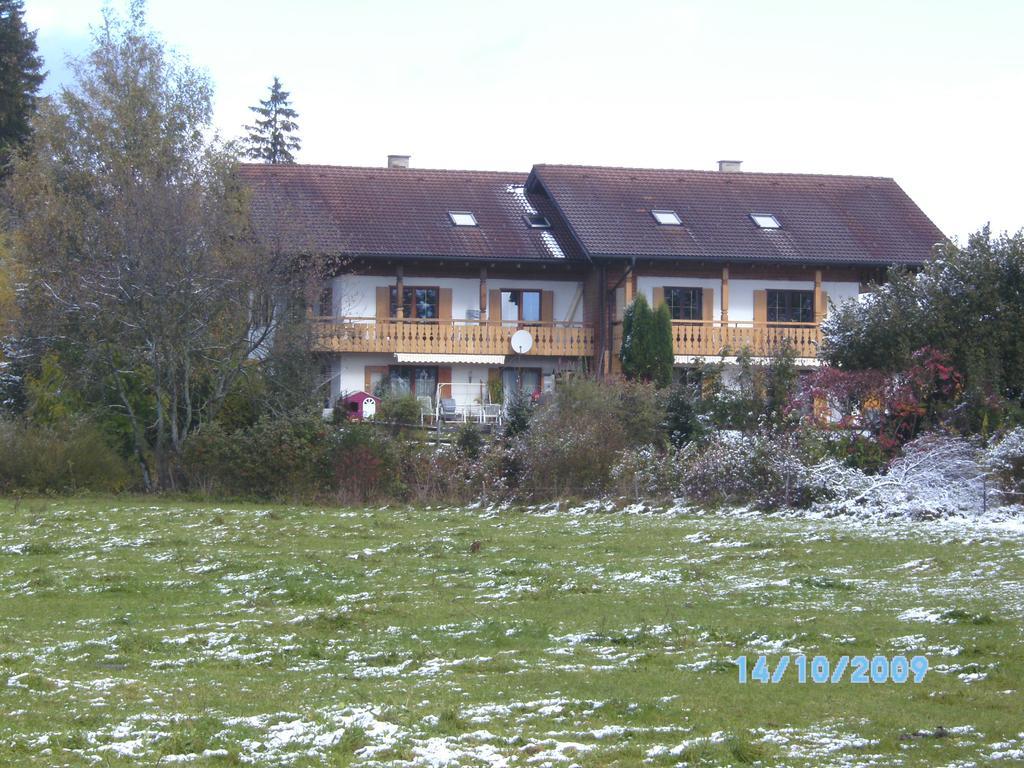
(765, 220)
(462, 218)
(417, 302)
(523, 306)
(685, 303)
(537, 221)
(524, 381)
(790, 306)
(416, 380)
(669, 218)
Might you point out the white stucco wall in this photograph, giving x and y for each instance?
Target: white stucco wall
(741, 292)
(348, 370)
(356, 295)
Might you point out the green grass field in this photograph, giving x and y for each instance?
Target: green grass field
(134, 632)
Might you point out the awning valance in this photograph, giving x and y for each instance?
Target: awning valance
(446, 359)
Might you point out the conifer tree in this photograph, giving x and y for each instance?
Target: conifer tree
(20, 77)
(637, 339)
(271, 138)
(663, 352)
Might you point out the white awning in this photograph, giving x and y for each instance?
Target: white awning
(410, 357)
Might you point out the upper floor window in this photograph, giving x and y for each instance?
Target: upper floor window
(523, 306)
(537, 221)
(670, 218)
(462, 218)
(685, 303)
(422, 303)
(790, 306)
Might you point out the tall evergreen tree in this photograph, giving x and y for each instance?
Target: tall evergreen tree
(637, 340)
(663, 351)
(271, 137)
(21, 74)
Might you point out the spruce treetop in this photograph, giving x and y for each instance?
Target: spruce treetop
(271, 138)
(21, 75)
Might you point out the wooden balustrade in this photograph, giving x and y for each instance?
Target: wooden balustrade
(717, 338)
(461, 337)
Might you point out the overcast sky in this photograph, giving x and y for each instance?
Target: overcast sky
(930, 92)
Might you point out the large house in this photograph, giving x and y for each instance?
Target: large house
(451, 282)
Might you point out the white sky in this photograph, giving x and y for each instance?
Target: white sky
(930, 92)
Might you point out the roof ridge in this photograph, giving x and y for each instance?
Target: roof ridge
(381, 169)
(736, 174)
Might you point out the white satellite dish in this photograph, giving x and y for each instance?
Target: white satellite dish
(522, 341)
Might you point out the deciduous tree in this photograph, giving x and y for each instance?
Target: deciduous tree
(132, 234)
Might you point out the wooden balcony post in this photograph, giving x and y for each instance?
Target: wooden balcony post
(725, 294)
(399, 291)
(483, 294)
(819, 304)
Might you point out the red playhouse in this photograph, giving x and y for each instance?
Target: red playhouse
(359, 405)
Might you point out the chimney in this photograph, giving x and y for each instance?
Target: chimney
(729, 166)
(398, 161)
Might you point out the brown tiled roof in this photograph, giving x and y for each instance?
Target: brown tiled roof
(399, 212)
(825, 219)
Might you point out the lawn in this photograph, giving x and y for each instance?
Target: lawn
(135, 631)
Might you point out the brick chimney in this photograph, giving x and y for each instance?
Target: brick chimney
(398, 161)
(729, 166)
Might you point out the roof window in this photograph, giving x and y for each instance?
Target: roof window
(462, 218)
(537, 221)
(765, 221)
(669, 218)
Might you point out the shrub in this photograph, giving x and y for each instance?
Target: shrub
(1005, 459)
(399, 410)
(645, 473)
(469, 440)
(73, 457)
(763, 468)
(575, 438)
(683, 420)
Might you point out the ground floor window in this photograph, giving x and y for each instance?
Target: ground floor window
(416, 380)
(525, 381)
(790, 306)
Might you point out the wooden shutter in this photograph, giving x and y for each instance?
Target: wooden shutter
(659, 297)
(760, 307)
(383, 303)
(444, 304)
(547, 306)
(707, 305)
(494, 306)
(444, 376)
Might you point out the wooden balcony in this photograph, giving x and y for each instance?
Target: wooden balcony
(716, 338)
(461, 337)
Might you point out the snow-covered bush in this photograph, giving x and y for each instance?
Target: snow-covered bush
(762, 468)
(1004, 457)
(936, 476)
(645, 473)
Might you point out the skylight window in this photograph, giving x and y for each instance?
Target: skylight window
(462, 218)
(765, 221)
(670, 218)
(537, 221)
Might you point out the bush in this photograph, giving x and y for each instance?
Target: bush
(399, 411)
(576, 437)
(66, 459)
(469, 440)
(763, 468)
(276, 457)
(1005, 459)
(683, 420)
(645, 473)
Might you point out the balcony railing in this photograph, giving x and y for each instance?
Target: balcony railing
(463, 337)
(716, 338)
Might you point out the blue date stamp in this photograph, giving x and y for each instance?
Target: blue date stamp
(820, 669)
